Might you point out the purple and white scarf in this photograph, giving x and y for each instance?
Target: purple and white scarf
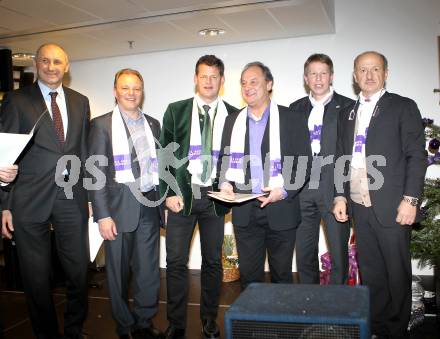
(316, 118)
(195, 166)
(235, 172)
(365, 112)
(121, 150)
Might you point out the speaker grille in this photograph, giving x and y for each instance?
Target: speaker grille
(243, 329)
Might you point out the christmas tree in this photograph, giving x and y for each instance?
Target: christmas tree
(425, 238)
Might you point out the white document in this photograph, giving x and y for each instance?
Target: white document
(95, 239)
(239, 197)
(11, 145)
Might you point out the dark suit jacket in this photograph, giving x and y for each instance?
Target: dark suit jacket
(338, 103)
(177, 128)
(1, 187)
(294, 138)
(396, 133)
(33, 193)
(115, 200)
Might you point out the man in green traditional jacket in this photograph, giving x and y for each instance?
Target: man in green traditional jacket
(196, 126)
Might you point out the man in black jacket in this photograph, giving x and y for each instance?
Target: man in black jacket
(37, 198)
(321, 109)
(384, 129)
(270, 136)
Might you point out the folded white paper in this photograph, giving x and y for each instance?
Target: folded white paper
(95, 239)
(11, 145)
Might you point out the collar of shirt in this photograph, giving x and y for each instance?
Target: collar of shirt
(45, 90)
(200, 103)
(372, 99)
(129, 120)
(263, 117)
(325, 100)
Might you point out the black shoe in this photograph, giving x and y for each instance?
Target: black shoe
(124, 336)
(147, 333)
(174, 333)
(210, 329)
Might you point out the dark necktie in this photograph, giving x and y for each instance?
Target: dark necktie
(56, 117)
(206, 145)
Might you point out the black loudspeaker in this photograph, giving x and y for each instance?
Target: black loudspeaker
(287, 311)
(6, 80)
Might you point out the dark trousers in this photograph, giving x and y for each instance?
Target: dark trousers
(180, 230)
(313, 209)
(138, 250)
(34, 254)
(1, 325)
(385, 267)
(254, 239)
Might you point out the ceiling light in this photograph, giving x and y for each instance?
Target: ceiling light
(23, 56)
(23, 59)
(212, 32)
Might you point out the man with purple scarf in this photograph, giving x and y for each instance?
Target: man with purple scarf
(126, 206)
(269, 152)
(383, 129)
(196, 126)
(321, 109)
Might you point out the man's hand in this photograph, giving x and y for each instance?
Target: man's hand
(275, 194)
(340, 211)
(227, 190)
(7, 225)
(8, 173)
(174, 203)
(406, 213)
(107, 228)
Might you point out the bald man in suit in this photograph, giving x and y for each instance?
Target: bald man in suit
(37, 200)
(387, 129)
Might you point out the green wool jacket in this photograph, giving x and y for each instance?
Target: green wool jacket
(176, 128)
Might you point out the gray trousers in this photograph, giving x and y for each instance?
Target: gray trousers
(138, 251)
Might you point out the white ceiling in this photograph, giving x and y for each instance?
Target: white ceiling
(90, 29)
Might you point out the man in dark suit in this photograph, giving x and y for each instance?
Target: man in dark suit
(37, 199)
(196, 125)
(7, 174)
(321, 110)
(387, 129)
(126, 207)
(272, 135)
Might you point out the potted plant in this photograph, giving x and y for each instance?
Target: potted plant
(230, 259)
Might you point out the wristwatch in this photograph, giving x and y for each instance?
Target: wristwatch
(410, 200)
